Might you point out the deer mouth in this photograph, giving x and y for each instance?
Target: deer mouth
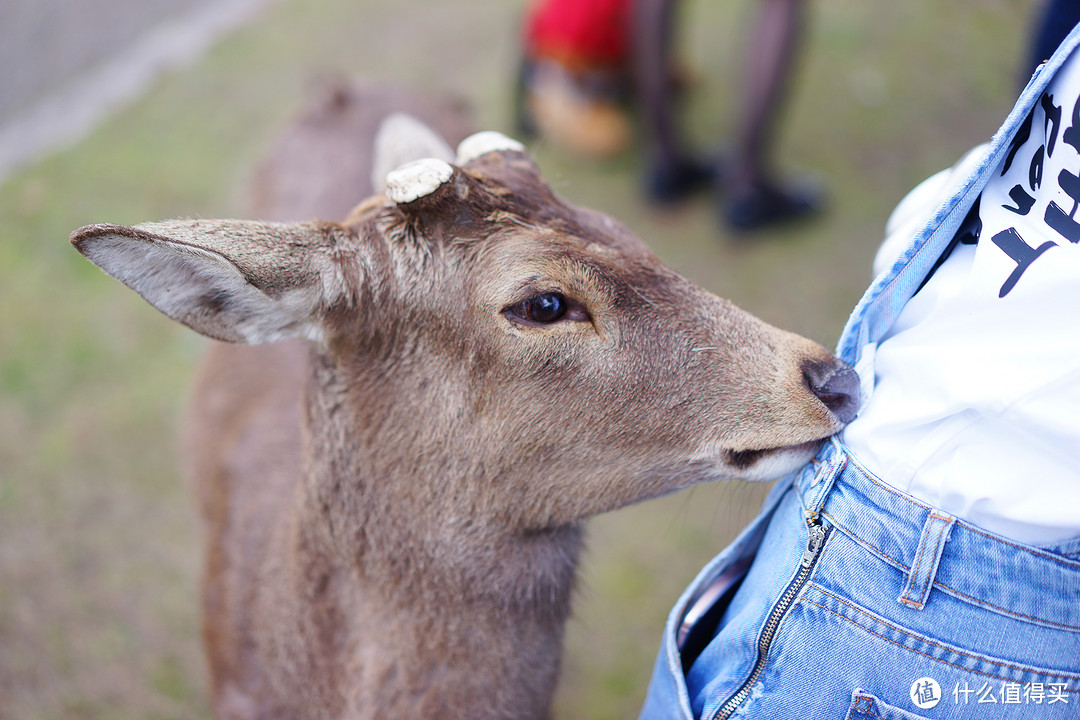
(771, 463)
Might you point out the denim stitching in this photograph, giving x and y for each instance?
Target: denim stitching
(931, 657)
(916, 575)
(902, 647)
(818, 495)
(869, 711)
(926, 580)
(1071, 564)
(974, 600)
(872, 548)
(1005, 611)
(907, 633)
(944, 528)
(864, 705)
(913, 578)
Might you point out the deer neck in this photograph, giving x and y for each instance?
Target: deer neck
(442, 614)
(458, 660)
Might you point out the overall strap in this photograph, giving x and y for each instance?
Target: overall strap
(889, 292)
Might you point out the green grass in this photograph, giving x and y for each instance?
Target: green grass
(99, 550)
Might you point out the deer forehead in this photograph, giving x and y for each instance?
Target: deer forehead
(546, 261)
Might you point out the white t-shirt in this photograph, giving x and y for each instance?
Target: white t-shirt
(976, 400)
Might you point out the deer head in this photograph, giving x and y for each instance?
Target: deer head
(474, 320)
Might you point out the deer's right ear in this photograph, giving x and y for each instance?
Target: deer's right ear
(233, 280)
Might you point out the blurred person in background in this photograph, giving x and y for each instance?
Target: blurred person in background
(588, 62)
(750, 193)
(574, 87)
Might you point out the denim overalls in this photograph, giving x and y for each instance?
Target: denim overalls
(846, 598)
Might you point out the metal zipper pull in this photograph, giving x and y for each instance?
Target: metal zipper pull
(814, 542)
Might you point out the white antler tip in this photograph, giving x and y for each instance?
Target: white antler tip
(416, 179)
(482, 143)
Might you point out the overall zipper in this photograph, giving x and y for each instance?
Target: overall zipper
(816, 541)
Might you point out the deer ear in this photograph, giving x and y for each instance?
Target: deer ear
(402, 139)
(238, 281)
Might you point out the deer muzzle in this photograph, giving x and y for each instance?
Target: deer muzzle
(836, 385)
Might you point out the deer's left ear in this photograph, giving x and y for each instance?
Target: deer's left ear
(238, 281)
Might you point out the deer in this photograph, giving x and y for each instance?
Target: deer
(407, 413)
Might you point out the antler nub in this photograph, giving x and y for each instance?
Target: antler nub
(416, 179)
(482, 143)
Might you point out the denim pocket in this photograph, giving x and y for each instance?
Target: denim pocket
(865, 706)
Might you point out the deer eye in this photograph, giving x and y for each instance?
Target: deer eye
(546, 308)
(543, 309)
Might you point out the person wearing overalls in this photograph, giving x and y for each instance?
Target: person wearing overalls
(926, 564)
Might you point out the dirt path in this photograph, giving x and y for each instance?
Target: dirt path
(72, 63)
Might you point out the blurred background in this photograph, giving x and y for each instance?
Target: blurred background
(99, 545)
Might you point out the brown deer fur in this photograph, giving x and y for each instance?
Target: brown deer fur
(394, 498)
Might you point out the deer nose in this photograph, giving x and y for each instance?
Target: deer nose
(836, 385)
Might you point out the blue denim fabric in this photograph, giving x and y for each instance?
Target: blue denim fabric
(902, 601)
(905, 611)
